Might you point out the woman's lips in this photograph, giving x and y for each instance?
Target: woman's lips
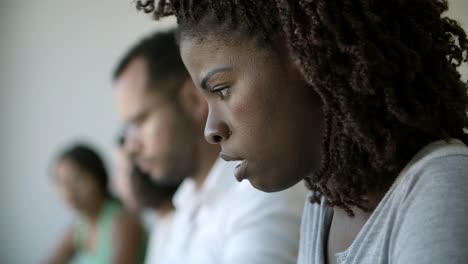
(228, 157)
(241, 168)
(240, 171)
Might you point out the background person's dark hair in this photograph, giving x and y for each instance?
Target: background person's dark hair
(89, 160)
(165, 69)
(386, 72)
(148, 193)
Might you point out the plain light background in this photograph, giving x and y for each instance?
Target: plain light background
(56, 59)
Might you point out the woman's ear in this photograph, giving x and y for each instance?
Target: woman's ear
(192, 102)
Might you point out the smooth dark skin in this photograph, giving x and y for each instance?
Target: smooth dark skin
(81, 193)
(344, 229)
(166, 137)
(275, 117)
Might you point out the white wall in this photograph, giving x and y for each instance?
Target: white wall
(459, 11)
(56, 59)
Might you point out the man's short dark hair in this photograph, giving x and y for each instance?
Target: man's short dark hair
(164, 64)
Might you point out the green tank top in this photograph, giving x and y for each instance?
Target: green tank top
(102, 253)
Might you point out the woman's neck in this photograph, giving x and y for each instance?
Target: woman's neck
(91, 216)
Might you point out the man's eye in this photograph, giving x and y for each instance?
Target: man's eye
(139, 120)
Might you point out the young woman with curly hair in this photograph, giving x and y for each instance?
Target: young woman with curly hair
(360, 98)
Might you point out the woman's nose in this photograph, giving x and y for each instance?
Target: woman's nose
(216, 130)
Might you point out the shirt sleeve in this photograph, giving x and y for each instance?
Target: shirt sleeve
(434, 215)
(267, 231)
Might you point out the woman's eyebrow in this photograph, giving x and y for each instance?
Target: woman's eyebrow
(211, 73)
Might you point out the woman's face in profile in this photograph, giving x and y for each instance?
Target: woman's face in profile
(261, 111)
(76, 186)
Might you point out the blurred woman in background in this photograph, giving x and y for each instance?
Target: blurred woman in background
(104, 232)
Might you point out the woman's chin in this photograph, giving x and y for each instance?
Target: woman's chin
(267, 184)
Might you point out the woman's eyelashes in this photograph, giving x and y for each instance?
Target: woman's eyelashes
(221, 90)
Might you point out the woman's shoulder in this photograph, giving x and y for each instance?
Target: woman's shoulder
(439, 168)
(430, 206)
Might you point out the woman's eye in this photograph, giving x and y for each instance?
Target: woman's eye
(222, 91)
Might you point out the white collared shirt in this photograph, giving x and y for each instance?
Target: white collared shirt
(160, 231)
(226, 222)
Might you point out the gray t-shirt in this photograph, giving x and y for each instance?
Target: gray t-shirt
(423, 218)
